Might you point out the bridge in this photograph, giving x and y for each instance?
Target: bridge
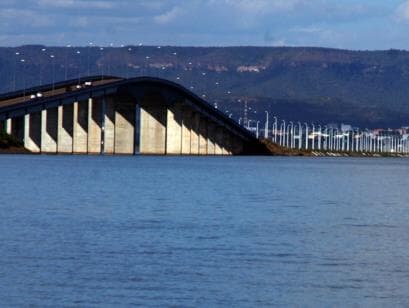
(111, 115)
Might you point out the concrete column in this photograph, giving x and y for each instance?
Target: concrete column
(153, 125)
(237, 146)
(194, 135)
(174, 129)
(94, 126)
(219, 141)
(49, 123)
(125, 126)
(203, 136)
(65, 129)
(17, 128)
(8, 126)
(211, 140)
(226, 145)
(32, 132)
(109, 125)
(80, 127)
(186, 130)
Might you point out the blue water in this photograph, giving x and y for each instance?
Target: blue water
(228, 232)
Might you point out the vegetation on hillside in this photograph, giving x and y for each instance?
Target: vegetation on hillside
(365, 88)
(9, 144)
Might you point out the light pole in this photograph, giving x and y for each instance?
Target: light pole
(290, 135)
(325, 144)
(282, 132)
(23, 61)
(43, 50)
(127, 64)
(313, 136)
(306, 136)
(16, 54)
(78, 53)
(101, 49)
(53, 64)
(66, 63)
(348, 137)
(275, 129)
(299, 135)
(266, 126)
(88, 57)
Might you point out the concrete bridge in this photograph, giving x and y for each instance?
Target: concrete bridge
(110, 115)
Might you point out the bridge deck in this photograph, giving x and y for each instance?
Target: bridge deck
(23, 96)
(106, 114)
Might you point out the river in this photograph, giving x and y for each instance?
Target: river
(203, 231)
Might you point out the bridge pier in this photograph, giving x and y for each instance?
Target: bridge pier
(80, 127)
(194, 134)
(125, 111)
(203, 136)
(219, 140)
(211, 143)
(94, 126)
(8, 126)
(49, 131)
(186, 130)
(153, 125)
(109, 125)
(65, 129)
(32, 132)
(174, 129)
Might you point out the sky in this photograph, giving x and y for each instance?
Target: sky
(346, 24)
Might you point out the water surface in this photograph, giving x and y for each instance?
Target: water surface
(203, 231)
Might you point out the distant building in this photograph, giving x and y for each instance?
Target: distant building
(332, 125)
(346, 127)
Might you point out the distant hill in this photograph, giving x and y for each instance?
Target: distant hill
(364, 88)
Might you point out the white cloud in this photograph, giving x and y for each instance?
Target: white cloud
(263, 6)
(25, 17)
(168, 16)
(100, 4)
(309, 29)
(402, 12)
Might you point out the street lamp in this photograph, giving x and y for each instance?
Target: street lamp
(290, 134)
(299, 135)
(88, 57)
(282, 133)
(66, 63)
(266, 126)
(78, 53)
(43, 50)
(23, 61)
(16, 54)
(101, 49)
(275, 128)
(306, 136)
(313, 136)
(53, 64)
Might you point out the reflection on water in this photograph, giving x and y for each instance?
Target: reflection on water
(246, 231)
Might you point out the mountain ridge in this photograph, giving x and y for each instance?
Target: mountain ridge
(365, 88)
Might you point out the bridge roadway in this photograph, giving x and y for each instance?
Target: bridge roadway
(111, 115)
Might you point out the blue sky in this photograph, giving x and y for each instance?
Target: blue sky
(358, 24)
